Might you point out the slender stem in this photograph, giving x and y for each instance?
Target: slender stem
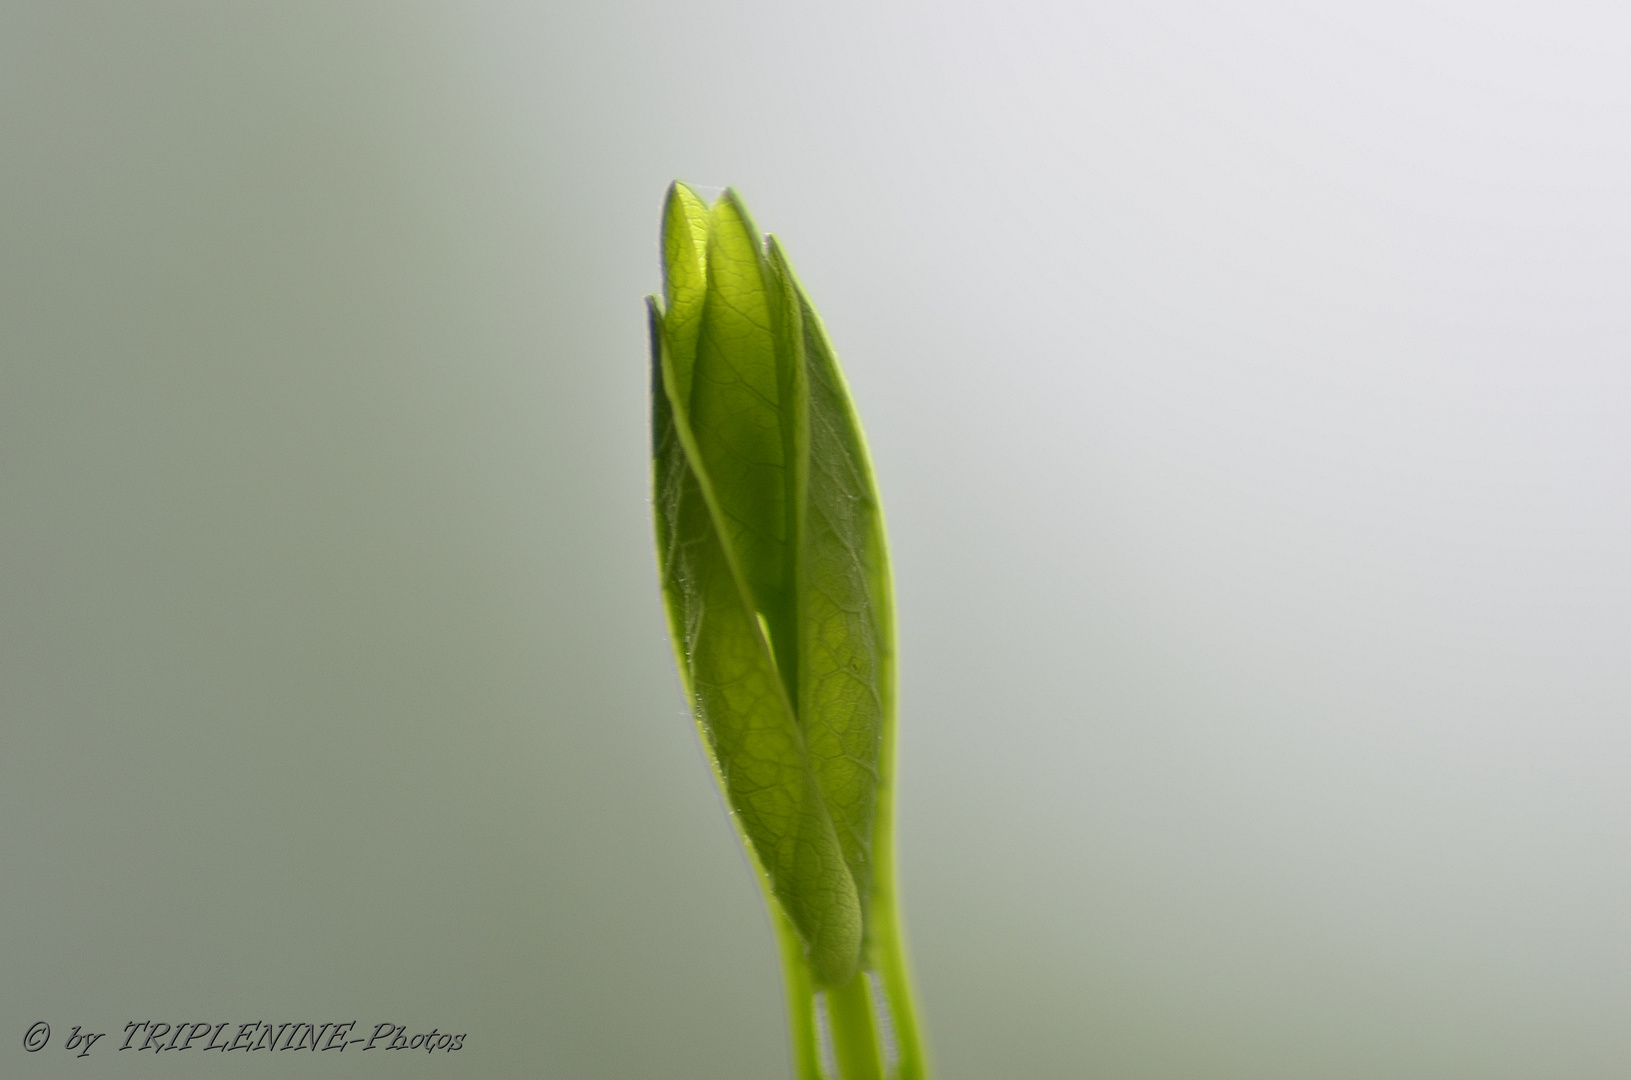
(888, 959)
(886, 940)
(857, 1051)
(886, 955)
(860, 1048)
(801, 1009)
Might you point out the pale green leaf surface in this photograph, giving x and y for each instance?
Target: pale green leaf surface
(735, 412)
(746, 716)
(685, 255)
(774, 569)
(843, 613)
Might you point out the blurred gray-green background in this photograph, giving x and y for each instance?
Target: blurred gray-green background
(1248, 386)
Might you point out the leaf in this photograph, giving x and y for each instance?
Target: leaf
(685, 280)
(846, 667)
(774, 570)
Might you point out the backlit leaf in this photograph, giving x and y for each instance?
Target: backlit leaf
(773, 565)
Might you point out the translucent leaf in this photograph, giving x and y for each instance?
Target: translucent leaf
(774, 569)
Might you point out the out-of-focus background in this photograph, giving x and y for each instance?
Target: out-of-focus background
(1248, 385)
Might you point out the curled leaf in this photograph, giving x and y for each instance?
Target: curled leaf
(774, 570)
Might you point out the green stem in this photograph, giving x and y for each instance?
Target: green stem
(860, 1049)
(888, 957)
(886, 940)
(886, 953)
(857, 1050)
(801, 1015)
